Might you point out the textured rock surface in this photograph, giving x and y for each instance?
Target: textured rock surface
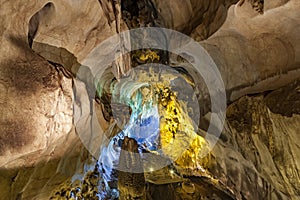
(131, 185)
(257, 52)
(257, 156)
(185, 16)
(259, 159)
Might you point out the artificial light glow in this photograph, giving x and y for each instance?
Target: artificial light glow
(159, 122)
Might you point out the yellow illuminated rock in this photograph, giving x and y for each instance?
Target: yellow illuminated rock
(177, 135)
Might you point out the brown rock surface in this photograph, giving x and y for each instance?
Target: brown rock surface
(257, 52)
(258, 154)
(259, 159)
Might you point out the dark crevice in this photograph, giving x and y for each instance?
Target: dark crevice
(257, 5)
(139, 14)
(35, 20)
(60, 68)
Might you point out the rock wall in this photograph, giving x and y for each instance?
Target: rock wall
(43, 44)
(258, 158)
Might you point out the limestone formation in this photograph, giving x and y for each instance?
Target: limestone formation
(45, 44)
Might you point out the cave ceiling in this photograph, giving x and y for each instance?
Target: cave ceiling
(69, 68)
